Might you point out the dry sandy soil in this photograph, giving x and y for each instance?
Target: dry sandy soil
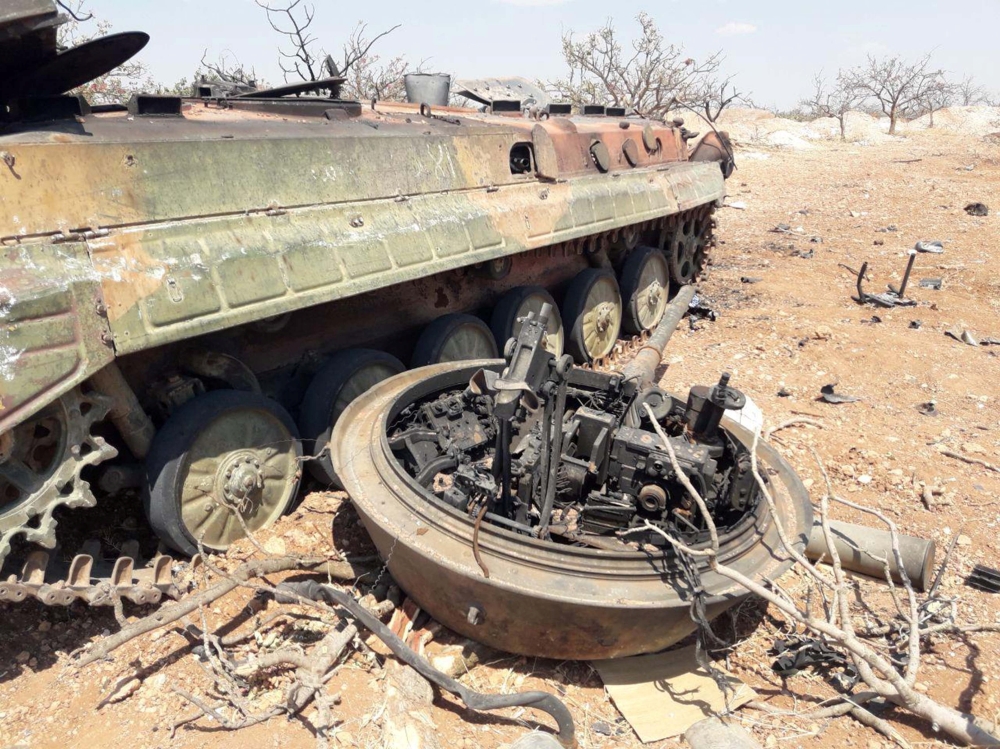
(794, 330)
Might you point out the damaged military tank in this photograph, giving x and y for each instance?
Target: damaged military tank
(192, 290)
(555, 511)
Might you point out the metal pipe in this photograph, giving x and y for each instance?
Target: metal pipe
(862, 550)
(643, 365)
(906, 275)
(126, 414)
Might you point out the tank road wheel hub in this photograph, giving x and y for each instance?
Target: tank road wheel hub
(654, 293)
(242, 481)
(645, 278)
(225, 460)
(594, 305)
(604, 315)
(41, 460)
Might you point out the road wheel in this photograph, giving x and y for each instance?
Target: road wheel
(345, 376)
(593, 306)
(454, 337)
(222, 456)
(515, 305)
(645, 282)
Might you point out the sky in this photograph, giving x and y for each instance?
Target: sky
(774, 47)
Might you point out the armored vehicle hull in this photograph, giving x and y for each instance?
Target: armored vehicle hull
(192, 291)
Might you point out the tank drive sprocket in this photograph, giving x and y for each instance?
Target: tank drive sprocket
(41, 466)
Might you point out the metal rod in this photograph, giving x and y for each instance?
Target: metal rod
(505, 498)
(861, 275)
(555, 456)
(906, 275)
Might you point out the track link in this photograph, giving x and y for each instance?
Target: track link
(93, 582)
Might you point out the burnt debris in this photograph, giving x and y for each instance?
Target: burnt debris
(570, 455)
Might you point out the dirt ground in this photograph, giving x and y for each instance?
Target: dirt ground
(793, 331)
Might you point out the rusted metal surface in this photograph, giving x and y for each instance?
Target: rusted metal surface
(539, 599)
(334, 233)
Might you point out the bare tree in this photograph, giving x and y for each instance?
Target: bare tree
(303, 58)
(227, 69)
(368, 77)
(939, 95)
(968, 93)
(895, 84)
(834, 99)
(647, 76)
(714, 95)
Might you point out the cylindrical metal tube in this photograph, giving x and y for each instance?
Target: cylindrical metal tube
(643, 365)
(862, 549)
(126, 414)
(906, 275)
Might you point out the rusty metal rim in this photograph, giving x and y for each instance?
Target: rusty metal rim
(373, 497)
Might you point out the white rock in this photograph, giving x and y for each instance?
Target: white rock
(275, 545)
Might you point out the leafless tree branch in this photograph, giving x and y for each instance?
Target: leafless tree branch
(646, 76)
(834, 99)
(228, 70)
(303, 58)
(878, 672)
(368, 77)
(77, 13)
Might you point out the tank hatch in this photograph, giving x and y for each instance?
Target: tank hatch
(32, 64)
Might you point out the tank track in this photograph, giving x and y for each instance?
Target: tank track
(98, 583)
(33, 519)
(64, 487)
(124, 582)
